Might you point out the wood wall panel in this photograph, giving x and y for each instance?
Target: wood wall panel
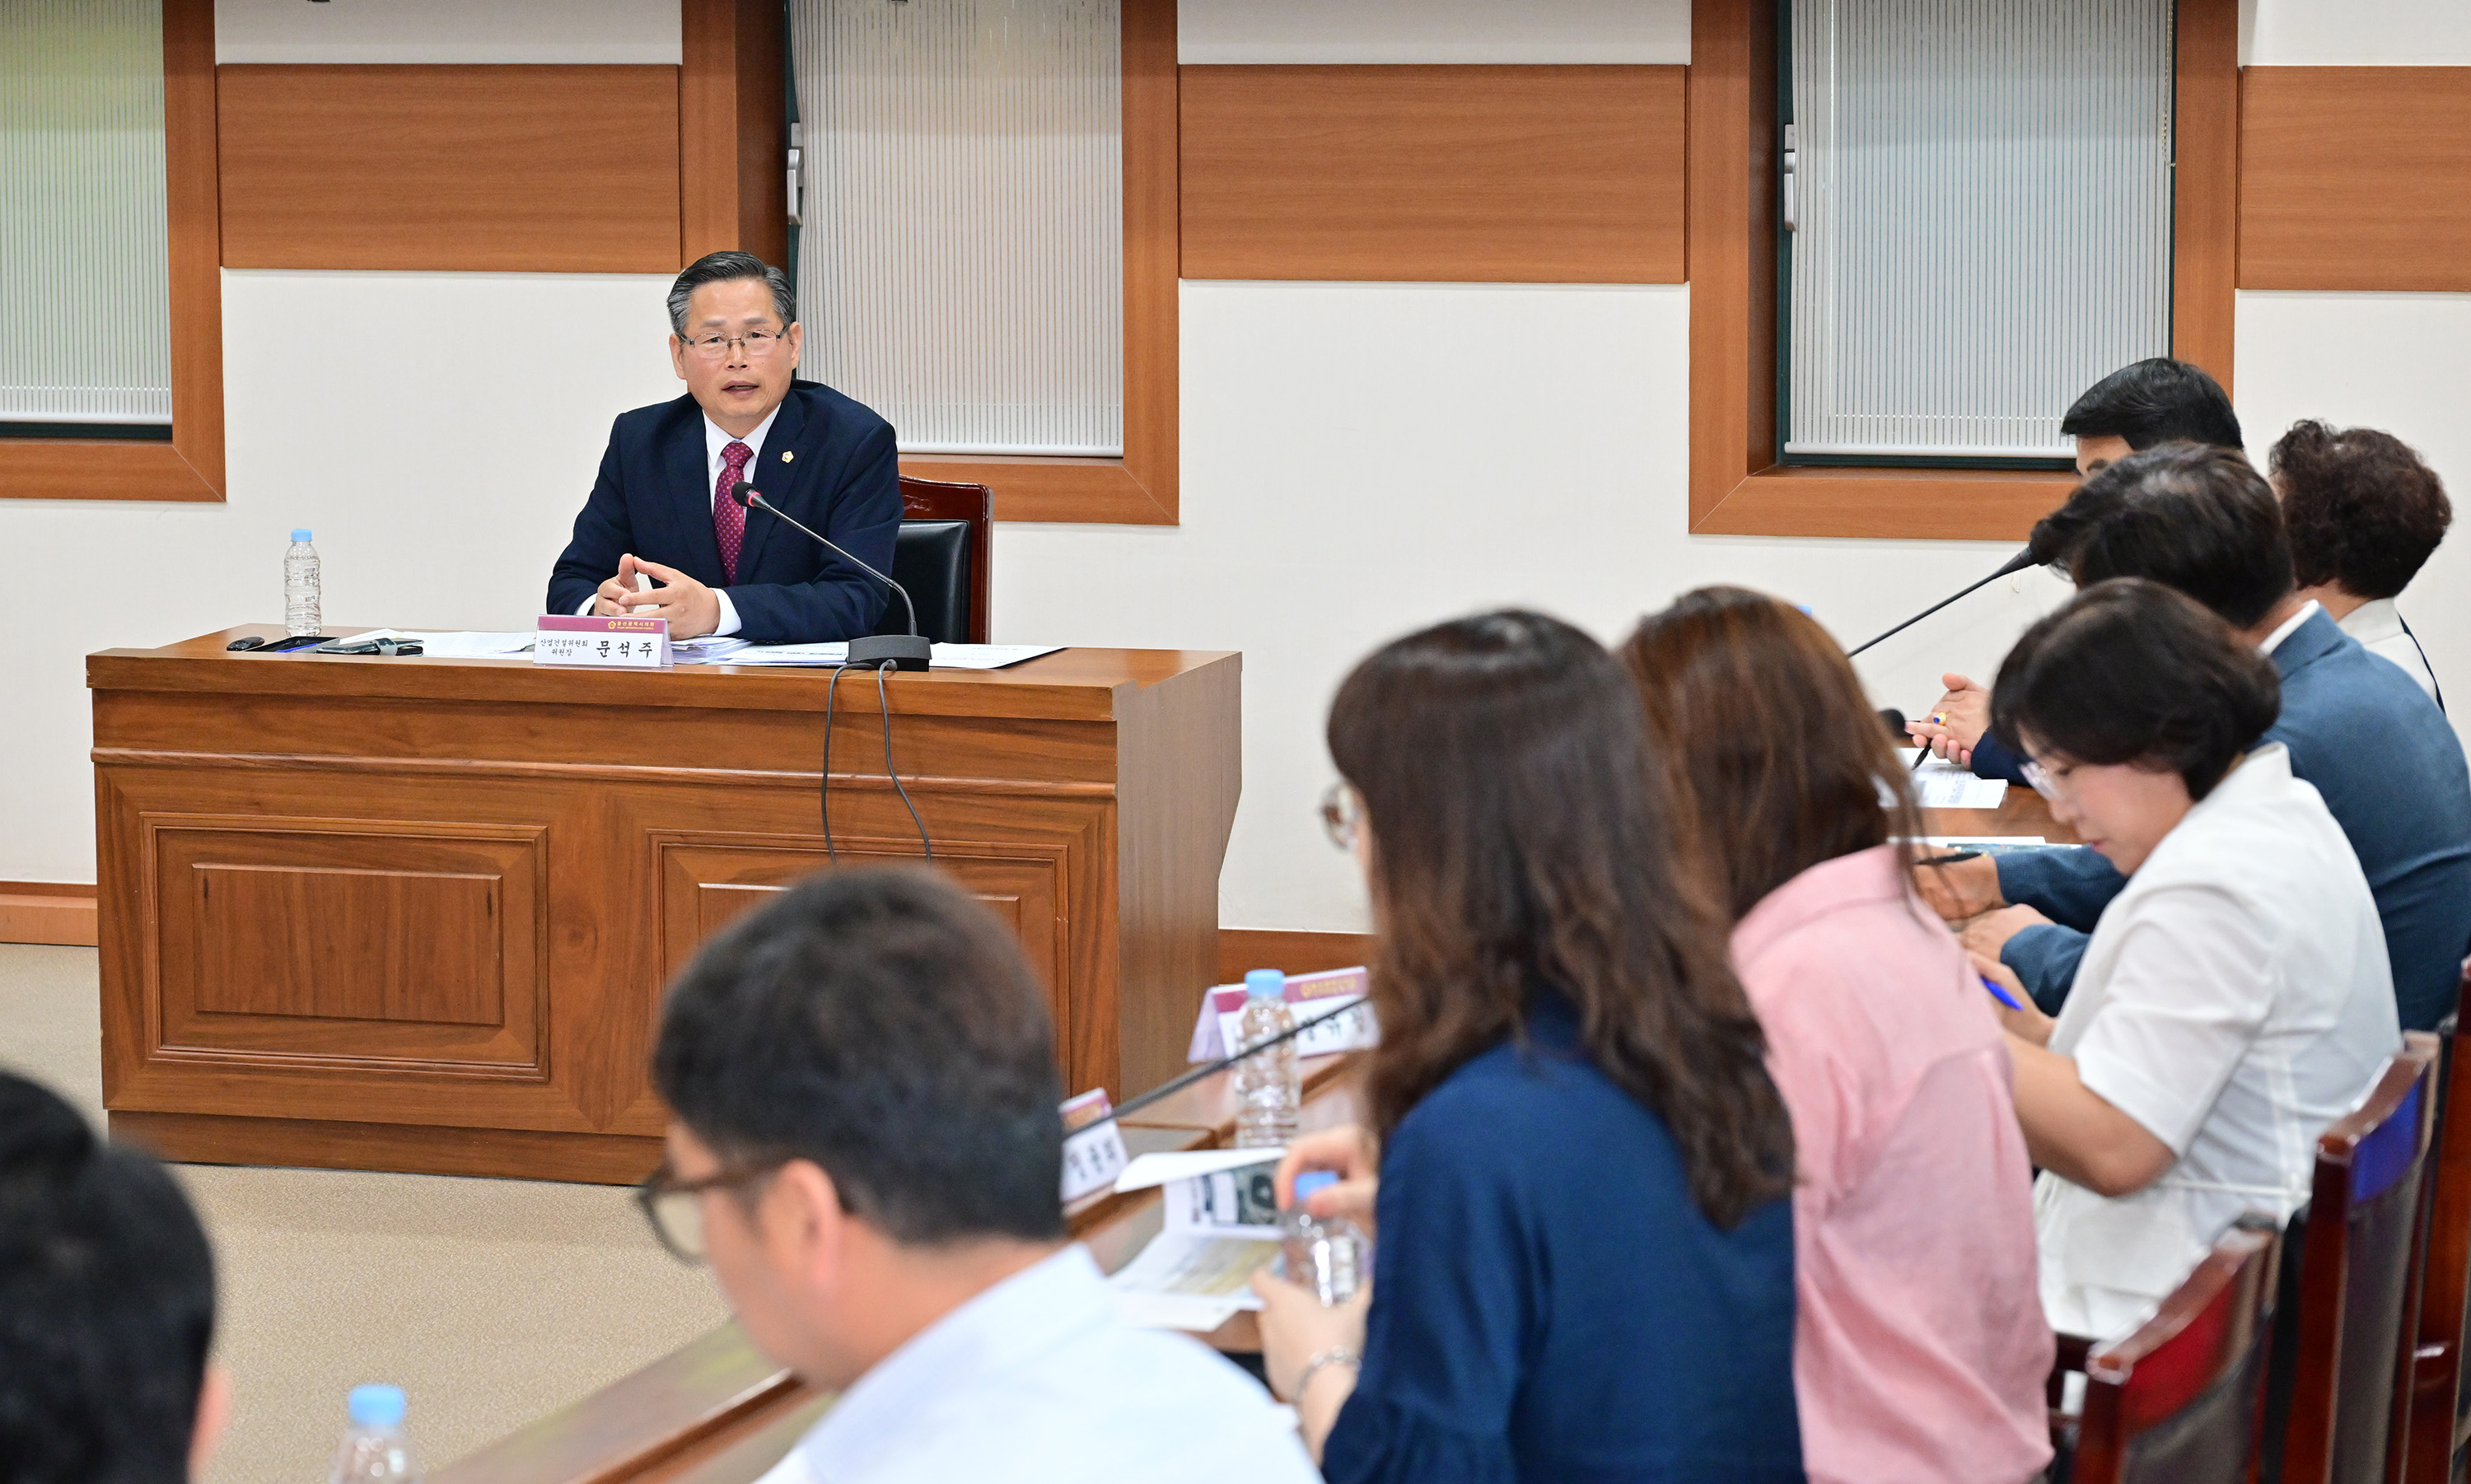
(2355, 177)
(509, 168)
(733, 143)
(1482, 174)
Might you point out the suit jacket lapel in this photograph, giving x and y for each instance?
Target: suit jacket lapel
(685, 463)
(779, 481)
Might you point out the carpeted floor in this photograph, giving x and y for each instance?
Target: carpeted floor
(492, 1302)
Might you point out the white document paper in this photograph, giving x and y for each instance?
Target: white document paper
(473, 644)
(1204, 1269)
(1184, 1163)
(1172, 1311)
(942, 656)
(1940, 784)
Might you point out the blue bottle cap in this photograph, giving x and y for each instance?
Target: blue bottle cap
(1265, 984)
(1312, 1180)
(376, 1406)
(301, 534)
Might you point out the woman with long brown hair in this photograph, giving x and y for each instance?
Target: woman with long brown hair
(1921, 1348)
(1585, 1258)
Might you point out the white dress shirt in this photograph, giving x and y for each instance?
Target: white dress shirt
(2377, 624)
(2235, 1000)
(716, 446)
(2273, 641)
(1036, 1380)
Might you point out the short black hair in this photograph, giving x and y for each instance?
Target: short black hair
(884, 1025)
(2129, 672)
(726, 267)
(2363, 511)
(106, 1303)
(2155, 401)
(2198, 519)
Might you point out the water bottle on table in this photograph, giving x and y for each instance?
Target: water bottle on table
(301, 586)
(1322, 1254)
(373, 1450)
(1267, 1091)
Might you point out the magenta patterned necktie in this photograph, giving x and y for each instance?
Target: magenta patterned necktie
(728, 516)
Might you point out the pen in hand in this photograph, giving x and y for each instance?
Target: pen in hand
(1998, 994)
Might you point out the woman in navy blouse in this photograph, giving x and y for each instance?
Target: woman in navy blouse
(1584, 1265)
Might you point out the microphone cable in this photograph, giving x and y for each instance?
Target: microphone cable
(885, 700)
(832, 688)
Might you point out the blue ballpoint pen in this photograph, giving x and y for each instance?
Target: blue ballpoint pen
(1998, 994)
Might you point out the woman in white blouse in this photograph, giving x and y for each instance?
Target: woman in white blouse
(2235, 999)
(2364, 513)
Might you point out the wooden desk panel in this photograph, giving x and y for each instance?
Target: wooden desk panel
(416, 914)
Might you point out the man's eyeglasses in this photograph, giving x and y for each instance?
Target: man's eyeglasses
(1342, 816)
(759, 343)
(675, 1207)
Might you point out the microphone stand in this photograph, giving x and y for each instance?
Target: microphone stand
(903, 652)
(2016, 563)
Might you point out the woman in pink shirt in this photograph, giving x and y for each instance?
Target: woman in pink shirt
(1919, 1351)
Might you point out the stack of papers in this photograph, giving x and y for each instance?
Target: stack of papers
(474, 645)
(1222, 1217)
(944, 656)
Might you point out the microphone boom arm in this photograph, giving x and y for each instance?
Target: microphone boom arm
(908, 652)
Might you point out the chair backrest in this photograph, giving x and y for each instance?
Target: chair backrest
(941, 556)
(2180, 1400)
(2356, 1272)
(2439, 1405)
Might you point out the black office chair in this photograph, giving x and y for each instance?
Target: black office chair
(940, 557)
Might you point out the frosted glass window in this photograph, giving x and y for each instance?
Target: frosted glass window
(1981, 204)
(960, 257)
(86, 315)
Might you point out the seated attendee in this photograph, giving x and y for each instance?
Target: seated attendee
(1585, 1261)
(2201, 521)
(1920, 1350)
(106, 1307)
(2364, 513)
(661, 508)
(2140, 406)
(866, 1147)
(2233, 1001)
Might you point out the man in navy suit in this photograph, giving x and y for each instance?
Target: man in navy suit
(661, 506)
(2140, 406)
(2359, 730)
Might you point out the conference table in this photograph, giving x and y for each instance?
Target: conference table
(716, 1412)
(416, 913)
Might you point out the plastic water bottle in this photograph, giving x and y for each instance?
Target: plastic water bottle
(301, 586)
(374, 1451)
(1266, 1088)
(1326, 1254)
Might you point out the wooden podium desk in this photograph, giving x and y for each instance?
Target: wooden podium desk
(416, 914)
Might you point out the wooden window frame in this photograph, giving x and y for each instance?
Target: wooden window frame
(1140, 488)
(1737, 485)
(190, 468)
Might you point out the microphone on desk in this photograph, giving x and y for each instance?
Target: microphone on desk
(904, 652)
(2023, 559)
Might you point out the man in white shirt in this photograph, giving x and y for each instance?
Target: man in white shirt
(866, 1146)
(2365, 512)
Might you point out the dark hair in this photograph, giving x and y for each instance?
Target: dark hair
(886, 1027)
(2198, 519)
(725, 268)
(1767, 745)
(2156, 401)
(2129, 672)
(1517, 843)
(2363, 509)
(106, 1304)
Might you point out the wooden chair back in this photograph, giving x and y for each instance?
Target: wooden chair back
(952, 605)
(2438, 1406)
(2182, 1400)
(2357, 1290)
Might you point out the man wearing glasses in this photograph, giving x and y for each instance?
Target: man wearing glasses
(660, 510)
(867, 1149)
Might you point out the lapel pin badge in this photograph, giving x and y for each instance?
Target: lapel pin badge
(787, 455)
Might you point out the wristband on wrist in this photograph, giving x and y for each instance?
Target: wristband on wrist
(1338, 1354)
